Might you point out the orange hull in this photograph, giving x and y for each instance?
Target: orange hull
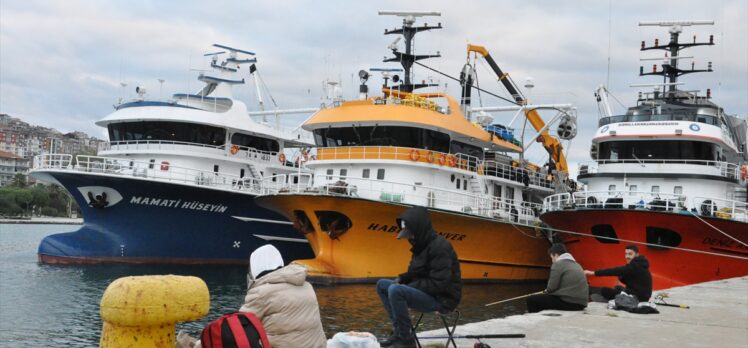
(669, 267)
(488, 250)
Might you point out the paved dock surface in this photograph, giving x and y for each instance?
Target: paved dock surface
(718, 317)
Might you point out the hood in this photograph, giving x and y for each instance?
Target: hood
(264, 259)
(640, 262)
(293, 274)
(565, 256)
(418, 220)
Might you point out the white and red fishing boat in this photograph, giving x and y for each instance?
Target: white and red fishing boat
(669, 174)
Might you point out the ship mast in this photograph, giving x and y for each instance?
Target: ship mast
(670, 70)
(408, 31)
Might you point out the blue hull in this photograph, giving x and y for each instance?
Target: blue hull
(164, 223)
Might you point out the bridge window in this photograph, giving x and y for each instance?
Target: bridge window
(382, 136)
(658, 150)
(458, 147)
(255, 142)
(167, 131)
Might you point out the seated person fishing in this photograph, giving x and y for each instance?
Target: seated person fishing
(635, 275)
(431, 284)
(567, 285)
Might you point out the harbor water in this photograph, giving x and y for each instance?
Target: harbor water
(46, 305)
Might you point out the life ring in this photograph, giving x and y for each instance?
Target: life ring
(451, 161)
(234, 149)
(480, 169)
(164, 165)
(282, 157)
(430, 157)
(442, 159)
(414, 155)
(744, 172)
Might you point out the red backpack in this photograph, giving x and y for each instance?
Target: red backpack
(235, 330)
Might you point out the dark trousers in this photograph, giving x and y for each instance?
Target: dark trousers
(610, 293)
(397, 298)
(537, 303)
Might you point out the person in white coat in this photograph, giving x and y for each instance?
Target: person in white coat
(283, 300)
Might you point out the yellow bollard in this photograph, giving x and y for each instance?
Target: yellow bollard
(143, 311)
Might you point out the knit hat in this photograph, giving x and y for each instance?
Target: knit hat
(264, 258)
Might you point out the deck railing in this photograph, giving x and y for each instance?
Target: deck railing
(161, 171)
(704, 206)
(435, 158)
(724, 169)
(439, 198)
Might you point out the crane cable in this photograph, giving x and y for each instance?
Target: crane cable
(458, 80)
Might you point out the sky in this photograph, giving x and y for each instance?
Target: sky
(62, 62)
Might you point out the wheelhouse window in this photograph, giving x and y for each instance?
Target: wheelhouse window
(382, 136)
(167, 131)
(458, 147)
(259, 143)
(658, 150)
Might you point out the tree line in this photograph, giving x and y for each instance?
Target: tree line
(19, 199)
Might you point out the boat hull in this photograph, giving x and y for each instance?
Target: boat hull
(488, 250)
(669, 267)
(156, 222)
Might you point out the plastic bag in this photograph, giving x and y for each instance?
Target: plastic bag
(353, 339)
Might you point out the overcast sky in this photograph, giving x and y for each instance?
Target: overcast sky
(61, 62)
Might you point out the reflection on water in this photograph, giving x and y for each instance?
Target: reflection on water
(43, 305)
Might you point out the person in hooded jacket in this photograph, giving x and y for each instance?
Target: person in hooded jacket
(635, 275)
(432, 282)
(567, 285)
(283, 300)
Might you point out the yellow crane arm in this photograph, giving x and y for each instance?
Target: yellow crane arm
(550, 143)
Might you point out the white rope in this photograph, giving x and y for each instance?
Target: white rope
(645, 243)
(716, 229)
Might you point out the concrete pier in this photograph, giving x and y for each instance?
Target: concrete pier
(718, 317)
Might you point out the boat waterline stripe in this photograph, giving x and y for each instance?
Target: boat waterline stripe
(245, 219)
(282, 239)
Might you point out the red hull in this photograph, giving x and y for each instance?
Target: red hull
(669, 267)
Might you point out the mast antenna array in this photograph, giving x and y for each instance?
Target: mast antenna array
(670, 71)
(408, 31)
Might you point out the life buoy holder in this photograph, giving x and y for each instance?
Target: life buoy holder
(164, 165)
(430, 157)
(442, 159)
(744, 172)
(234, 149)
(480, 169)
(282, 157)
(451, 161)
(415, 155)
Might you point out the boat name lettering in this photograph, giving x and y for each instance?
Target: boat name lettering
(723, 243)
(394, 228)
(452, 236)
(647, 124)
(384, 228)
(177, 203)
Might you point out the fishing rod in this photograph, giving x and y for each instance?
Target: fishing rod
(476, 337)
(673, 305)
(512, 299)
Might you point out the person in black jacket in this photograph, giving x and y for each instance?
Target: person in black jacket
(432, 282)
(635, 275)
